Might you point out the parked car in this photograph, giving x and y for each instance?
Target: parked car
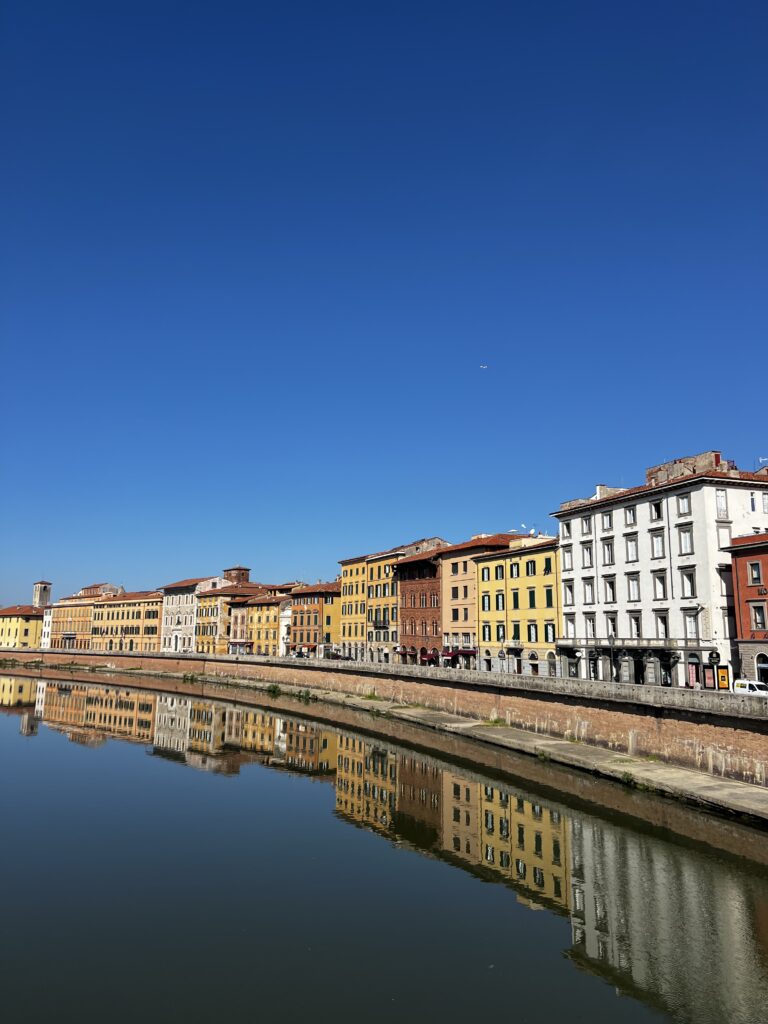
(751, 687)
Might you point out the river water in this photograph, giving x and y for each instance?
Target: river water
(167, 857)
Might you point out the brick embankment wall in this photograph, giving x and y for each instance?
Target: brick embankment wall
(722, 734)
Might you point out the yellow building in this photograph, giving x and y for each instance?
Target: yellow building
(111, 711)
(21, 626)
(518, 607)
(207, 727)
(127, 622)
(72, 617)
(366, 782)
(15, 692)
(264, 624)
(352, 611)
(214, 609)
(315, 619)
(369, 596)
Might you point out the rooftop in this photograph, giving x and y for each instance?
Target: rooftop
(333, 587)
(752, 540)
(21, 610)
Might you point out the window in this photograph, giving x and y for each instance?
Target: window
(632, 547)
(530, 567)
(533, 633)
(569, 622)
(589, 591)
(657, 544)
(662, 625)
(765, 503)
(515, 598)
(752, 501)
(586, 556)
(660, 586)
(691, 620)
(455, 614)
(500, 634)
(568, 593)
(549, 598)
(610, 624)
(454, 568)
(610, 589)
(633, 587)
(635, 630)
(758, 616)
(485, 602)
(567, 560)
(499, 572)
(548, 566)
(485, 574)
(516, 631)
(589, 626)
(683, 504)
(486, 632)
(685, 534)
(586, 525)
(607, 520)
(565, 531)
(657, 511)
(630, 515)
(499, 602)
(454, 593)
(721, 503)
(549, 632)
(755, 572)
(608, 552)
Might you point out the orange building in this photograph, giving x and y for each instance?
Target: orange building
(72, 617)
(315, 619)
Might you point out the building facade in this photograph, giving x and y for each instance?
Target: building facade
(749, 557)
(646, 574)
(72, 617)
(353, 607)
(458, 596)
(180, 607)
(21, 627)
(421, 627)
(315, 620)
(127, 622)
(518, 607)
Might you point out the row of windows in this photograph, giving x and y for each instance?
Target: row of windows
(485, 599)
(532, 632)
(514, 570)
(658, 583)
(632, 549)
(634, 625)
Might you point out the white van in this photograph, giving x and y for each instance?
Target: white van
(751, 687)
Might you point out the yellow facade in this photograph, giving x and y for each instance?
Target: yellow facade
(207, 727)
(382, 614)
(352, 612)
(21, 626)
(111, 711)
(127, 622)
(211, 622)
(72, 617)
(518, 607)
(366, 782)
(15, 692)
(264, 624)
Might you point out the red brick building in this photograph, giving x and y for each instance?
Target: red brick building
(750, 597)
(421, 627)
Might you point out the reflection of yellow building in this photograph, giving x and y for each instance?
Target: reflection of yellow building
(114, 711)
(523, 841)
(366, 782)
(257, 731)
(309, 747)
(518, 607)
(352, 610)
(127, 622)
(14, 691)
(21, 625)
(207, 727)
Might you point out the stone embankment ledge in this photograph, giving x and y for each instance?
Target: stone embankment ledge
(595, 726)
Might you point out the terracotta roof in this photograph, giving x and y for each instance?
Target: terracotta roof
(319, 588)
(25, 610)
(389, 551)
(537, 544)
(134, 595)
(492, 540)
(235, 590)
(186, 583)
(578, 505)
(266, 599)
(751, 540)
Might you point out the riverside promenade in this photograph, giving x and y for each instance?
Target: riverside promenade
(710, 748)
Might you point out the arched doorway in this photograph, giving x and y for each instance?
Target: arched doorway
(487, 661)
(761, 668)
(533, 658)
(551, 664)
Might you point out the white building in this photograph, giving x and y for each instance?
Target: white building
(180, 610)
(172, 723)
(646, 584)
(45, 638)
(286, 611)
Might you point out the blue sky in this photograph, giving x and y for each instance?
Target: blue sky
(254, 254)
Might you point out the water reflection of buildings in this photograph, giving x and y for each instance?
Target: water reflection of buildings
(668, 925)
(642, 909)
(17, 692)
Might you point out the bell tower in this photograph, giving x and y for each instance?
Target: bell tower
(41, 594)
